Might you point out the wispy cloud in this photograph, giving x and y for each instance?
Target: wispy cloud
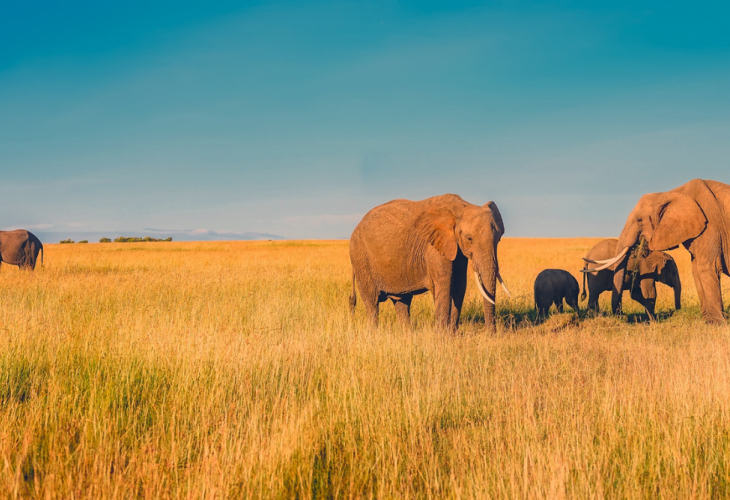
(29, 226)
(324, 220)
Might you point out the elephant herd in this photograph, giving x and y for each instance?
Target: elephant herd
(404, 248)
(645, 269)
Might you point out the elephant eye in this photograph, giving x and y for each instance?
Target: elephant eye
(468, 237)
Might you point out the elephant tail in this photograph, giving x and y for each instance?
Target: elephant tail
(353, 295)
(583, 293)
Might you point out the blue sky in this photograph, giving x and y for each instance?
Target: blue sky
(295, 118)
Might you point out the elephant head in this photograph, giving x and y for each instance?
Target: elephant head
(475, 232)
(663, 221)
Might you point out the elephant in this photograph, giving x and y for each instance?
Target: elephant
(404, 248)
(643, 271)
(20, 248)
(695, 215)
(551, 287)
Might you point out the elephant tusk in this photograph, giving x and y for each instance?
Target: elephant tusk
(591, 261)
(504, 287)
(586, 270)
(613, 261)
(480, 285)
(604, 261)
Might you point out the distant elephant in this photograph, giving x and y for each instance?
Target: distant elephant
(551, 287)
(20, 248)
(643, 273)
(404, 248)
(695, 215)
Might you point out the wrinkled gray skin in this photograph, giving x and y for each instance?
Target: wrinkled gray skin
(20, 248)
(551, 287)
(642, 274)
(404, 248)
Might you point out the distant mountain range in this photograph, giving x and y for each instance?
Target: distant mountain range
(191, 235)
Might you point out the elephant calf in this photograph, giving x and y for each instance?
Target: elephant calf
(642, 273)
(552, 286)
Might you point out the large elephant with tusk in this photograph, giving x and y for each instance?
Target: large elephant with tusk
(695, 215)
(404, 248)
(644, 270)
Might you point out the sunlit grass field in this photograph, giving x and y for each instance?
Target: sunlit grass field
(235, 370)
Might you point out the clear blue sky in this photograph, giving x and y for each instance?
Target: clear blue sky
(295, 118)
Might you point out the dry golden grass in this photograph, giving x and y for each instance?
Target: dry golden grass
(235, 370)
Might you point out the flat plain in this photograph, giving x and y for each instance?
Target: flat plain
(235, 370)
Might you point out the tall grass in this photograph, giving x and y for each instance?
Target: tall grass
(234, 370)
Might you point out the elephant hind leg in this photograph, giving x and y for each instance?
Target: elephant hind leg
(707, 282)
(369, 296)
(573, 303)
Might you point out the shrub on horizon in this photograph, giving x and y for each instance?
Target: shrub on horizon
(105, 240)
(67, 241)
(135, 239)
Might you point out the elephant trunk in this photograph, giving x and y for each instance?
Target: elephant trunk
(618, 286)
(486, 274)
(628, 239)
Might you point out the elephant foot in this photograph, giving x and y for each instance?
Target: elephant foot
(715, 320)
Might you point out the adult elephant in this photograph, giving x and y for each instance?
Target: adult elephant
(695, 215)
(642, 272)
(20, 248)
(404, 248)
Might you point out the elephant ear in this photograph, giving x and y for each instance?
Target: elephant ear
(437, 228)
(678, 219)
(653, 263)
(492, 207)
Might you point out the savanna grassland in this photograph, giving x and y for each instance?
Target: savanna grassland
(235, 370)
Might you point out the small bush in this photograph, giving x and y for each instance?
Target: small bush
(105, 240)
(67, 241)
(84, 241)
(135, 239)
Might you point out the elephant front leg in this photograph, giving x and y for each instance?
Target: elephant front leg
(458, 291)
(403, 310)
(442, 306)
(648, 296)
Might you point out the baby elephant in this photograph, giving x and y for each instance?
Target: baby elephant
(551, 287)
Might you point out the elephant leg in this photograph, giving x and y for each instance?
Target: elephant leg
(593, 292)
(458, 291)
(648, 293)
(593, 301)
(369, 296)
(707, 281)
(573, 303)
(442, 305)
(559, 305)
(403, 310)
